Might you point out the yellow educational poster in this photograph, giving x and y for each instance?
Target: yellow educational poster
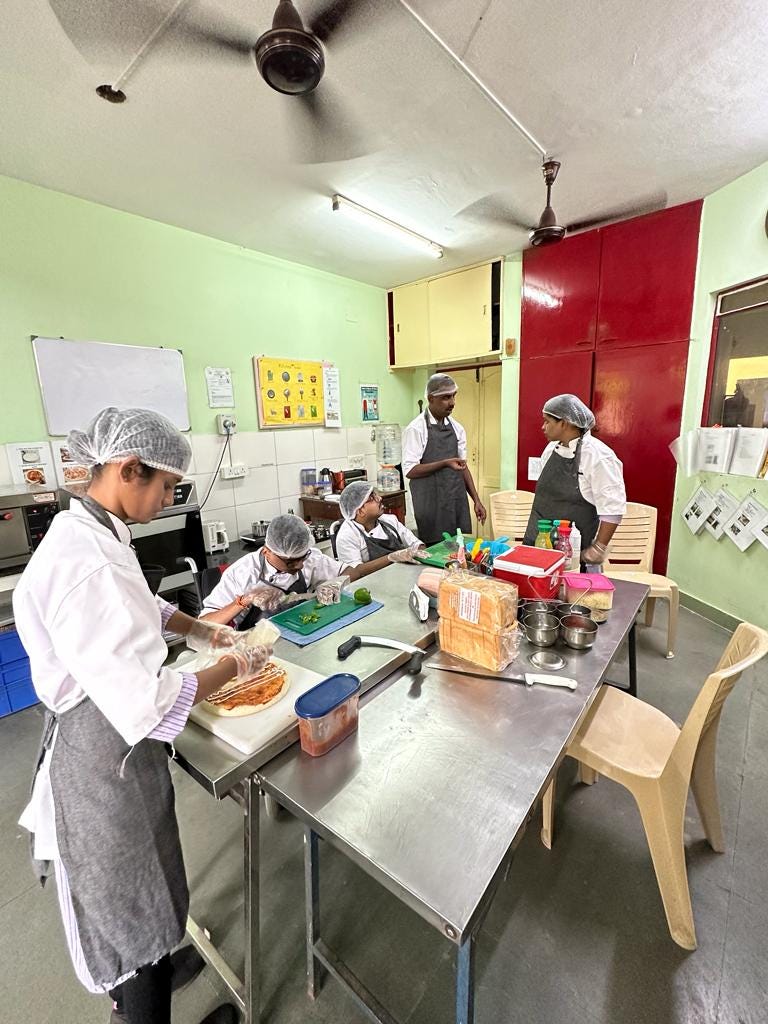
(289, 392)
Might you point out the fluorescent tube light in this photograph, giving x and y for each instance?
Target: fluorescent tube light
(389, 227)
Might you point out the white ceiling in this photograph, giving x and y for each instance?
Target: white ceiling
(636, 100)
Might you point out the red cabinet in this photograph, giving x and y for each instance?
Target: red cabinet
(540, 379)
(647, 274)
(559, 307)
(638, 402)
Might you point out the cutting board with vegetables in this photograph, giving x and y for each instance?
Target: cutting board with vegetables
(307, 617)
(440, 553)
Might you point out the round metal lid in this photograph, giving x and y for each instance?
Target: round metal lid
(546, 659)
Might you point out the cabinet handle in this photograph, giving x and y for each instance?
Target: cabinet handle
(586, 341)
(606, 341)
(485, 307)
(398, 328)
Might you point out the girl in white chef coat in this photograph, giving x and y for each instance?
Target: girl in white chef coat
(102, 808)
(581, 479)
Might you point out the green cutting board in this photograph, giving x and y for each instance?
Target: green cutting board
(438, 554)
(329, 613)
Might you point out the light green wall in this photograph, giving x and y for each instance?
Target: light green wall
(733, 249)
(74, 269)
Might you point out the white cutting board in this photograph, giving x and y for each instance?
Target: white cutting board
(251, 732)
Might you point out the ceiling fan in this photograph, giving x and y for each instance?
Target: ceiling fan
(549, 231)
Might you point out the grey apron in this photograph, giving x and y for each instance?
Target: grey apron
(118, 840)
(558, 497)
(440, 502)
(380, 546)
(254, 613)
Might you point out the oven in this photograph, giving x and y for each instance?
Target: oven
(174, 534)
(25, 515)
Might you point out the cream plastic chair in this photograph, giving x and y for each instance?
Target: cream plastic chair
(631, 558)
(510, 511)
(637, 746)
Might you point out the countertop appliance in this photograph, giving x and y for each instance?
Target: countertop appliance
(25, 515)
(216, 538)
(174, 534)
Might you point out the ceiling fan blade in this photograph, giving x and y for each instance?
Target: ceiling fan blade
(333, 16)
(322, 129)
(657, 201)
(492, 210)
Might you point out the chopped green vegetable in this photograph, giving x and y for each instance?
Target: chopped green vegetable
(306, 619)
(362, 596)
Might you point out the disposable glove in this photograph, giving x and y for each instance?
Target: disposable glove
(406, 554)
(265, 597)
(249, 661)
(211, 636)
(594, 554)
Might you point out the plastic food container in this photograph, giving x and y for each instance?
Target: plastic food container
(328, 713)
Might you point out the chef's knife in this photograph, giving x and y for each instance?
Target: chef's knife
(441, 664)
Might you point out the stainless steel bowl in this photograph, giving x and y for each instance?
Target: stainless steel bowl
(541, 629)
(563, 608)
(578, 631)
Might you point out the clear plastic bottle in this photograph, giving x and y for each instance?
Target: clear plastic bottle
(389, 451)
(543, 538)
(576, 549)
(563, 543)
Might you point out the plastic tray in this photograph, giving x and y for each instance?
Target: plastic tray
(291, 618)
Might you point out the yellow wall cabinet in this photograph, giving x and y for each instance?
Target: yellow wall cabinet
(442, 319)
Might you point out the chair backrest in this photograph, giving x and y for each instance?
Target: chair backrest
(633, 542)
(747, 645)
(332, 533)
(510, 512)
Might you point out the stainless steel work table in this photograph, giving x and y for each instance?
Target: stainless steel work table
(225, 772)
(433, 793)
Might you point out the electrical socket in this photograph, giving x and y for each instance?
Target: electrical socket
(226, 423)
(236, 472)
(356, 461)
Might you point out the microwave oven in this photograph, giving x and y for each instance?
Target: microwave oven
(25, 515)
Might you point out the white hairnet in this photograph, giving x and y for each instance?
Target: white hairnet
(288, 536)
(441, 384)
(353, 497)
(116, 434)
(571, 409)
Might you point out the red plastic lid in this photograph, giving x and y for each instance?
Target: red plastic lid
(529, 560)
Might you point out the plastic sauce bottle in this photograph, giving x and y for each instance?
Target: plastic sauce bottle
(543, 538)
(576, 549)
(563, 543)
(553, 532)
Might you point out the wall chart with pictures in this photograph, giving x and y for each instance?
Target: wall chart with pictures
(289, 392)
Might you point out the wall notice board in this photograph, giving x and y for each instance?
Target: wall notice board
(80, 378)
(290, 392)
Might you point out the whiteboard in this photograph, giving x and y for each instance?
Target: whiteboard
(80, 378)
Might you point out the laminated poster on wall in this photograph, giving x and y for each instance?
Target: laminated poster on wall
(369, 403)
(746, 522)
(290, 392)
(749, 451)
(695, 513)
(31, 464)
(68, 471)
(725, 506)
(685, 450)
(534, 468)
(218, 383)
(332, 395)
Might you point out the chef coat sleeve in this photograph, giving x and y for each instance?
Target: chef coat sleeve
(319, 567)
(461, 437)
(604, 474)
(403, 532)
(350, 545)
(166, 610)
(414, 443)
(173, 721)
(106, 632)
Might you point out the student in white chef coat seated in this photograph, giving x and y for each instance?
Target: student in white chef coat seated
(263, 581)
(102, 812)
(370, 535)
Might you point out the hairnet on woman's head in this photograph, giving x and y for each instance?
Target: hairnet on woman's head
(441, 384)
(288, 536)
(117, 434)
(571, 409)
(353, 497)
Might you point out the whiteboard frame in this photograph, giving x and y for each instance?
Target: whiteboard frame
(61, 421)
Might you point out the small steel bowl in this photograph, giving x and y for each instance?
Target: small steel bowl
(563, 608)
(531, 606)
(578, 631)
(541, 629)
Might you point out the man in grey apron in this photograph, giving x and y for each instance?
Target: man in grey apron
(440, 481)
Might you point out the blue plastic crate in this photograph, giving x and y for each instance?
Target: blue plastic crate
(5, 706)
(21, 695)
(11, 648)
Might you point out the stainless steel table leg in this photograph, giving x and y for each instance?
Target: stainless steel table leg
(252, 985)
(312, 909)
(465, 982)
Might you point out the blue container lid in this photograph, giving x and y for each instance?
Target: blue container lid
(326, 696)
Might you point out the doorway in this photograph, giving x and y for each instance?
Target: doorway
(478, 410)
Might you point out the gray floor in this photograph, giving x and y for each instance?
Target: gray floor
(577, 934)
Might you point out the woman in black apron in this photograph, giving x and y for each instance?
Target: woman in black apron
(102, 809)
(559, 489)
